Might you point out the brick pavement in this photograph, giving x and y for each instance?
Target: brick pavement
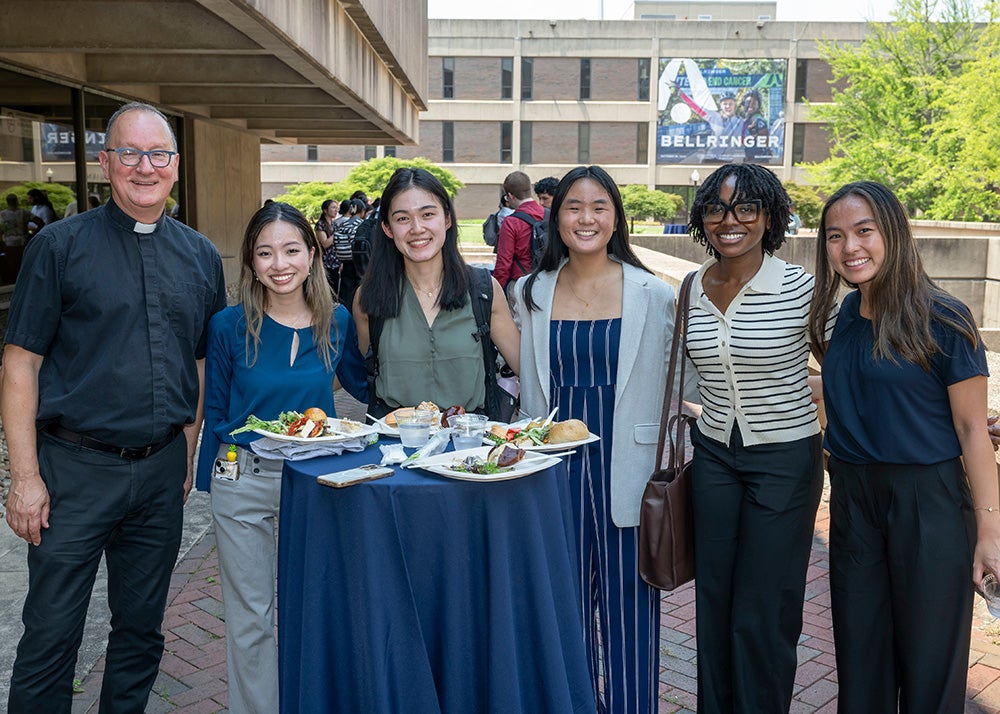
(192, 676)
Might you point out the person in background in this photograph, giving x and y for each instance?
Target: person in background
(794, 222)
(343, 243)
(42, 212)
(101, 405)
(514, 242)
(914, 505)
(416, 296)
(758, 459)
(545, 189)
(14, 232)
(285, 346)
(329, 211)
(596, 327)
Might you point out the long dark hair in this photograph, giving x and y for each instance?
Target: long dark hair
(903, 298)
(253, 294)
(556, 250)
(752, 182)
(382, 286)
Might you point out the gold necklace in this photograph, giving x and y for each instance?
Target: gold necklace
(429, 293)
(586, 303)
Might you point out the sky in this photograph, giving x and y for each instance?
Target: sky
(823, 10)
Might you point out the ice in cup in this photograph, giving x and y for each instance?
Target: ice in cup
(991, 593)
(467, 430)
(414, 426)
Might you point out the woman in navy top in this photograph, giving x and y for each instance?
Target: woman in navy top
(904, 382)
(286, 346)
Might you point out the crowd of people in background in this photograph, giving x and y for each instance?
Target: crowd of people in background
(375, 297)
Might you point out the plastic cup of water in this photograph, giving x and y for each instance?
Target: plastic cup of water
(414, 426)
(467, 430)
(991, 593)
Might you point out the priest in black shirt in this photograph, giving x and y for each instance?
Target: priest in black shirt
(103, 371)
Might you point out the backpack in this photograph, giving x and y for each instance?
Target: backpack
(539, 237)
(361, 246)
(491, 230)
(500, 404)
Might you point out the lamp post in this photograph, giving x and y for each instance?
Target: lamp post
(48, 175)
(695, 178)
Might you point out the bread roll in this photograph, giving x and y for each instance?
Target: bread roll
(569, 430)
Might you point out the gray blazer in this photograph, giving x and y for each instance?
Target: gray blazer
(647, 328)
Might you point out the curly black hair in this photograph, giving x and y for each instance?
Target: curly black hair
(752, 182)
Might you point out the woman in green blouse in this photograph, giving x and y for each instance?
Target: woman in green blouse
(415, 307)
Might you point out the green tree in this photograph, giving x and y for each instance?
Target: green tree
(966, 141)
(369, 176)
(887, 97)
(645, 203)
(808, 203)
(59, 195)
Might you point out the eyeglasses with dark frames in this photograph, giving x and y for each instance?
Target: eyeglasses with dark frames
(744, 212)
(158, 158)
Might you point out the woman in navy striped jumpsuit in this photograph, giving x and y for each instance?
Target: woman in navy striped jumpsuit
(595, 333)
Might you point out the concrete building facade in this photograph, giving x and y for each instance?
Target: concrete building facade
(543, 96)
(231, 75)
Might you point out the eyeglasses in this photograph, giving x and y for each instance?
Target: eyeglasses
(744, 211)
(158, 158)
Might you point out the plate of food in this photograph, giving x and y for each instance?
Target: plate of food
(486, 463)
(312, 426)
(538, 436)
(387, 425)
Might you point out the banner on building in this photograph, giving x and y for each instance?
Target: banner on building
(57, 143)
(720, 110)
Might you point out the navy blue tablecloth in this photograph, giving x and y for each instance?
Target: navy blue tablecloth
(417, 593)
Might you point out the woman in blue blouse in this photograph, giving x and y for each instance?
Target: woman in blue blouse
(904, 383)
(285, 346)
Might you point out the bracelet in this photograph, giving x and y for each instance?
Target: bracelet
(988, 509)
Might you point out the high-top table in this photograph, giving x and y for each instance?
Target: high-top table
(421, 594)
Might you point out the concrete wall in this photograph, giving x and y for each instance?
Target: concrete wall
(223, 188)
(963, 258)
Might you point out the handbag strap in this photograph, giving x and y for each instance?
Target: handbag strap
(676, 348)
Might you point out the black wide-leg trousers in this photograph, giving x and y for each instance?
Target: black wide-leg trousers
(901, 544)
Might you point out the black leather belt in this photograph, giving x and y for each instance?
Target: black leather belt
(125, 452)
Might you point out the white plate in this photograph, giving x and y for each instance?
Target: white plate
(440, 464)
(591, 437)
(333, 423)
(382, 428)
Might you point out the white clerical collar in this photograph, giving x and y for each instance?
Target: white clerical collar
(144, 227)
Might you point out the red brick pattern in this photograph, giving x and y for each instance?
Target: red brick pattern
(193, 671)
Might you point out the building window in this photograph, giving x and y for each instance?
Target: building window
(388, 151)
(506, 134)
(801, 79)
(527, 80)
(448, 77)
(370, 152)
(643, 94)
(312, 152)
(506, 77)
(583, 143)
(798, 143)
(526, 142)
(448, 142)
(584, 79)
(641, 143)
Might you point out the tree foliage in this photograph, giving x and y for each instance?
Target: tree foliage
(649, 204)
(369, 176)
(60, 196)
(808, 203)
(888, 95)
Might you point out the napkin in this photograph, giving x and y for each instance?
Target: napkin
(298, 451)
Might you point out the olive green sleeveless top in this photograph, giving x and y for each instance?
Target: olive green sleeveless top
(441, 363)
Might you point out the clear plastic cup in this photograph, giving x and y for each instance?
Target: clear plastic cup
(414, 426)
(991, 593)
(467, 430)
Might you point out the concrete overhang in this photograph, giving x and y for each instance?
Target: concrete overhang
(287, 71)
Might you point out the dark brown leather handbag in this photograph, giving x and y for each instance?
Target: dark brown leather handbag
(666, 524)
